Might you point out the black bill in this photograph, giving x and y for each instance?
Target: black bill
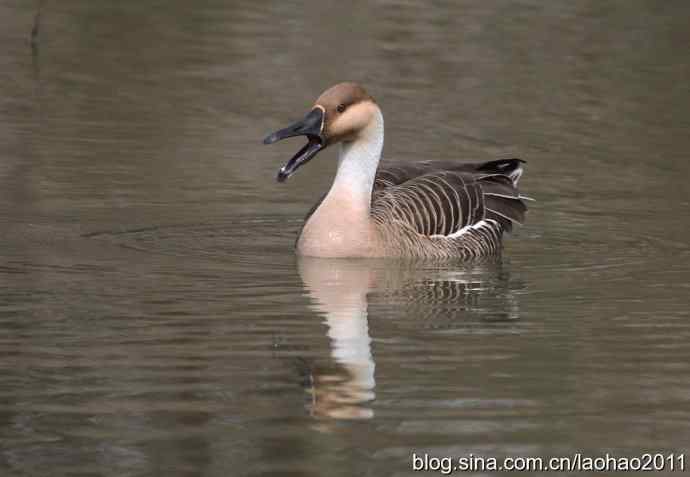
(310, 127)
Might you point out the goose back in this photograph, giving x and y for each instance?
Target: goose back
(440, 209)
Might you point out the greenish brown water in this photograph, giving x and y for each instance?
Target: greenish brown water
(155, 321)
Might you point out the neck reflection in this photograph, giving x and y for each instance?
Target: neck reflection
(339, 290)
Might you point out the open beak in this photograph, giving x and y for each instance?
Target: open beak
(311, 127)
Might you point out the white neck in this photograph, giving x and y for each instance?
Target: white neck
(357, 164)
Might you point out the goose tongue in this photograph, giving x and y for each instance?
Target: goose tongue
(303, 156)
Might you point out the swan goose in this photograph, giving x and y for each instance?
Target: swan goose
(429, 209)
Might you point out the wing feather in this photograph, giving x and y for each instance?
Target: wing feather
(483, 197)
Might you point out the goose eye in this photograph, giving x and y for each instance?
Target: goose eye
(340, 108)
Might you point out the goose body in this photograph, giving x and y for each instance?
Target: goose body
(426, 209)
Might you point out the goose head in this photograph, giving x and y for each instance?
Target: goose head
(342, 113)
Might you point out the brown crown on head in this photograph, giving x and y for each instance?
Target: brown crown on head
(345, 94)
(338, 103)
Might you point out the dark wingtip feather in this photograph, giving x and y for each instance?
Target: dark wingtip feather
(501, 166)
(507, 212)
(503, 202)
(511, 168)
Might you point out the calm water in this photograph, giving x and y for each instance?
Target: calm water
(155, 321)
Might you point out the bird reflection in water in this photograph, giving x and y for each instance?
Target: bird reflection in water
(341, 290)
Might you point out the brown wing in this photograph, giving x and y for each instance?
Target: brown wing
(395, 173)
(441, 203)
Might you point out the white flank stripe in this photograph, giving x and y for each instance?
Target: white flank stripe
(468, 228)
